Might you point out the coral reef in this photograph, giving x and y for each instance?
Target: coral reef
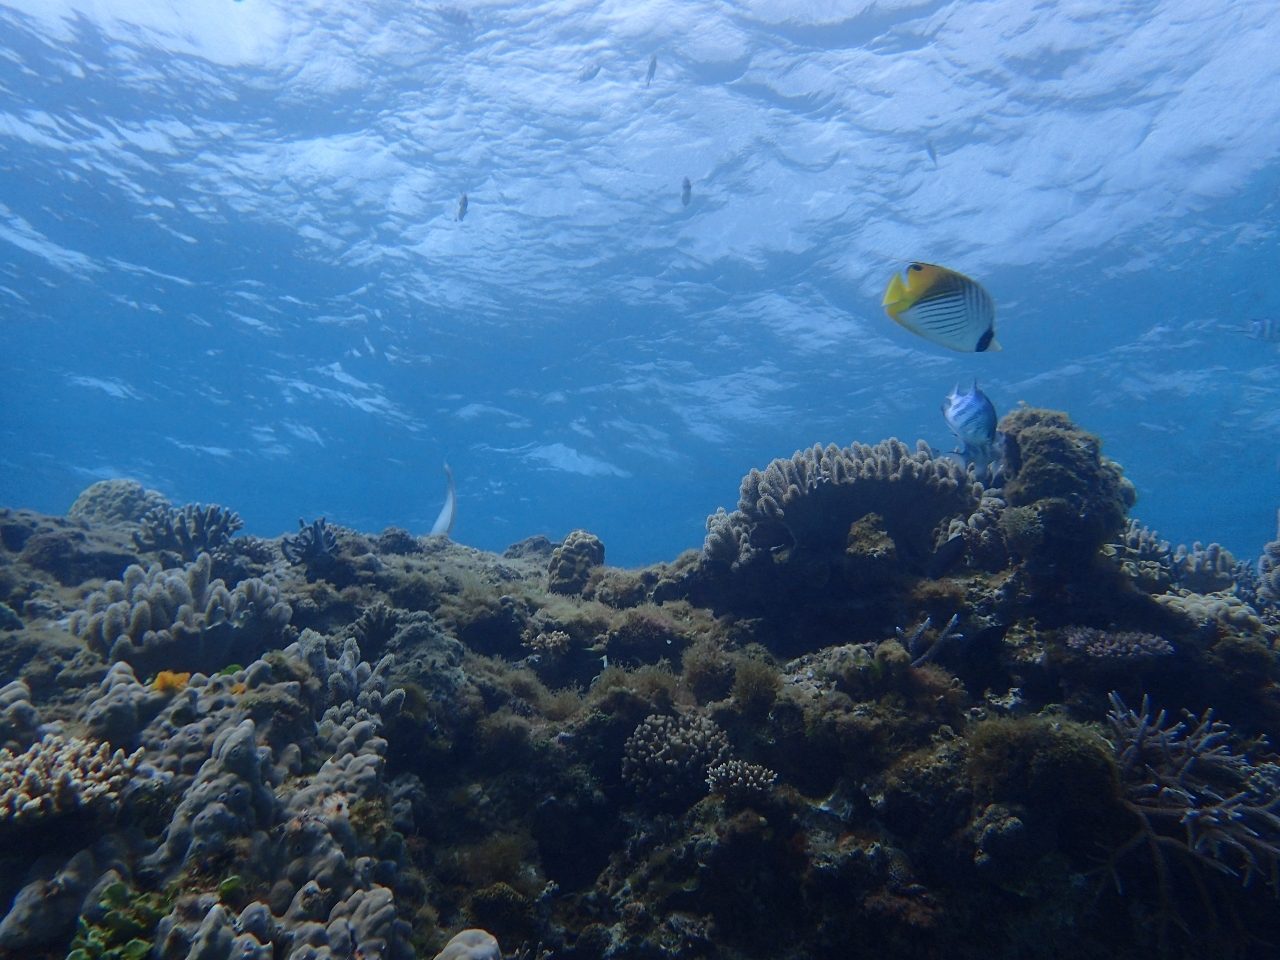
(881, 712)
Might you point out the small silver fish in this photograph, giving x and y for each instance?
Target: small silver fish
(588, 72)
(686, 191)
(971, 416)
(653, 68)
(462, 208)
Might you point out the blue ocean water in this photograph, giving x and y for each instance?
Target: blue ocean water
(231, 267)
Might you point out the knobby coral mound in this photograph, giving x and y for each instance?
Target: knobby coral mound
(19, 719)
(1065, 499)
(571, 562)
(116, 501)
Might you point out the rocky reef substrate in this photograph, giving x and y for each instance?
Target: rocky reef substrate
(884, 711)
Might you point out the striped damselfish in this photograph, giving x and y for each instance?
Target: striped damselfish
(971, 416)
(943, 306)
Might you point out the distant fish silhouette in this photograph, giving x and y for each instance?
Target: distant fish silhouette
(686, 191)
(933, 153)
(1268, 330)
(448, 512)
(653, 68)
(455, 15)
(588, 72)
(462, 208)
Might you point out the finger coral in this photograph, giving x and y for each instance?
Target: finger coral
(667, 757)
(60, 774)
(181, 619)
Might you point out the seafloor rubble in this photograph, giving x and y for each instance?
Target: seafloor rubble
(883, 712)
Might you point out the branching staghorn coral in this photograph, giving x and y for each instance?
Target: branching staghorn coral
(314, 545)
(188, 531)
(920, 648)
(1194, 797)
